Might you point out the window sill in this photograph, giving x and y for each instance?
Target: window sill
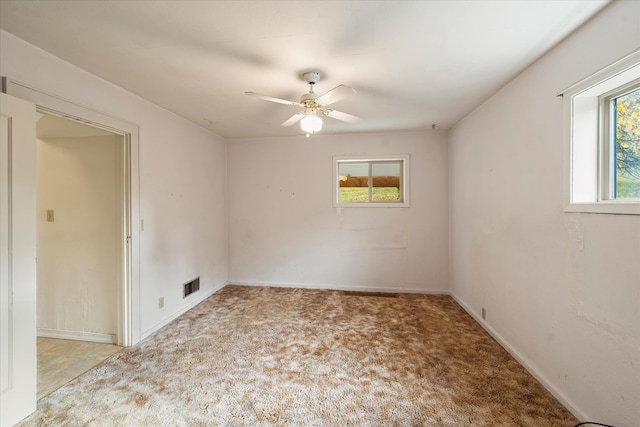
(372, 205)
(611, 208)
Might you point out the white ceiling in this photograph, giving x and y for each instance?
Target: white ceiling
(413, 63)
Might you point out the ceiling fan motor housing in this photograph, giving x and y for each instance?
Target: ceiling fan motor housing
(309, 100)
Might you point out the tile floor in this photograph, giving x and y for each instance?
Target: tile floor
(60, 361)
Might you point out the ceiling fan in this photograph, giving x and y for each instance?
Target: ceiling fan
(314, 105)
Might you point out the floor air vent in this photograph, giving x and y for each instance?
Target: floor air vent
(369, 294)
(191, 287)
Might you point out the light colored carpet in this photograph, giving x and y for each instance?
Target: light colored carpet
(290, 357)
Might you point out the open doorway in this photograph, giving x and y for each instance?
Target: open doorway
(79, 243)
(79, 229)
(129, 293)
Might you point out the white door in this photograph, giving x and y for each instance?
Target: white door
(18, 369)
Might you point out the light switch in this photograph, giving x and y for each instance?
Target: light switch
(49, 215)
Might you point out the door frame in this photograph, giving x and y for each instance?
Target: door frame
(129, 325)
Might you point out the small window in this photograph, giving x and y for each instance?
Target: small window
(602, 141)
(371, 181)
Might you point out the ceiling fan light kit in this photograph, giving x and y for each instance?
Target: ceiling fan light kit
(309, 118)
(311, 123)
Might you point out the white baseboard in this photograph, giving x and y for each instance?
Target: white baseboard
(526, 363)
(181, 311)
(343, 287)
(78, 335)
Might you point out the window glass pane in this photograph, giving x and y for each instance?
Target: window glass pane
(627, 145)
(386, 182)
(354, 182)
(377, 181)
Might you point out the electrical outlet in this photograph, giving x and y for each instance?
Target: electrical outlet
(49, 215)
(484, 314)
(161, 302)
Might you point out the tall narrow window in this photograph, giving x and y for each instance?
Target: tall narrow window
(625, 145)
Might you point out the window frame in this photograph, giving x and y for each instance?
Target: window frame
(608, 140)
(371, 160)
(587, 171)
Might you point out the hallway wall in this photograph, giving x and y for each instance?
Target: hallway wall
(79, 252)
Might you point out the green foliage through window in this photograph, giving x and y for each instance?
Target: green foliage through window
(627, 144)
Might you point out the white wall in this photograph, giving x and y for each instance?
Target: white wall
(561, 290)
(79, 252)
(283, 229)
(182, 181)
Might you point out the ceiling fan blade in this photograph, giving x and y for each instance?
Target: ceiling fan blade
(272, 99)
(336, 94)
(343, 116)
(293, 119)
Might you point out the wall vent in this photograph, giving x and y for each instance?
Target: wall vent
(369, 294)
(191, 287)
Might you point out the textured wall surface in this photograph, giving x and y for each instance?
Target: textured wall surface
(80, 251)
(560, 289)
(283, 228)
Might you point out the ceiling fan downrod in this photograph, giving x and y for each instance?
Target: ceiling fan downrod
(311, 77)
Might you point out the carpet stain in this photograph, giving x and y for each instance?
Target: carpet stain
(253, 356)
